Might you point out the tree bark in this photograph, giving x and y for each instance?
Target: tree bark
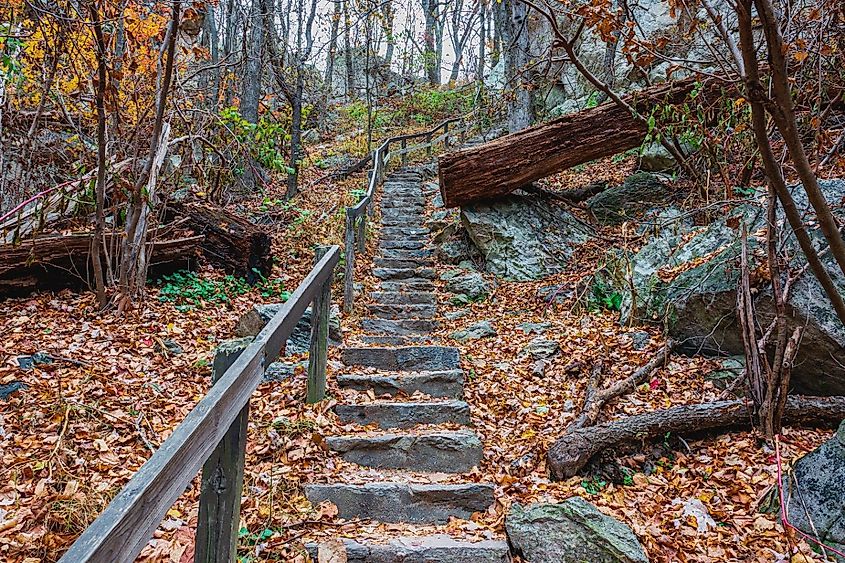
(351, 92)
(100, 187)
(515, 43)
(332, 54)
(140, 205)
(431, 59)
(569, 454)
(251, 85)
(501, 166)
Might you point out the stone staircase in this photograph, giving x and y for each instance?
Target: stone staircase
(412, 394)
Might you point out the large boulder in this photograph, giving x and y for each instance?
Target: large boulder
(251, 323)
(657, 23)
(470, 284)
(818, 485)
(523, 237)
(475, 331)
(573, 531)
(638, 194)
(686, 276)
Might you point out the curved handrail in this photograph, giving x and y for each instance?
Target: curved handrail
(356, 215)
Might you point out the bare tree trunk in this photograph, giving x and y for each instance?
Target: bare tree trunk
(783, 113)
(388, 15)
(139, 205)
(251, 85)
(332, 55)
(213, 40)
(99, 215)
(498, 24)
(460, 37)
(774, 173)
(231, 18)
(515, 44)
(351, 92)
(303, 33)
(432, 62)
(482, 40)
(573, 450)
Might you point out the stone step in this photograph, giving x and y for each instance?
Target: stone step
(410, 189)
(402, 220)
(403, 312)
(414, 197)
(400, 327)
(446, 383)
(408, 211)
(402, 244)
(443, 451)
(404, 297)
(410, 193)
(403, 208)
(406, 254)
(389, 414)
(404, 358)
(399, 264)
(406, 203)
(438, 548)
(385, 340)
(405, 273)
(398, 233)
(403, 502)
(406, 285)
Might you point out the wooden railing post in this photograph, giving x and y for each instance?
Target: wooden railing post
(349, 259)
(317, 353)
(446, 133)
(223, 477)
(429, 148)
(404, 154)
(362, 233)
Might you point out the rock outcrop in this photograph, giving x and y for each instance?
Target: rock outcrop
(817, 484)
(686, 276)
(523, 237)
(638, 194)
(572, 531)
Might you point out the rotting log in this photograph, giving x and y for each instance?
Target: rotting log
(570, 453)
(508, 163)
(60, 261)
(230, 242)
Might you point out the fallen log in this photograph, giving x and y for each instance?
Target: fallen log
(230, 242)
(508, 163)
(570, 453)
(52, 262)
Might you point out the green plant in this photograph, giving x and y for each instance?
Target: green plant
(264, 140)
(593, 485)
(187, 290)
(604, 296)
(358, 193)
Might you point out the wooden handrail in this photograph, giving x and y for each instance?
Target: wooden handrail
(356, 215)
(127, 523)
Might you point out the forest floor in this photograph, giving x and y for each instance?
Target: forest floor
(79, 430)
